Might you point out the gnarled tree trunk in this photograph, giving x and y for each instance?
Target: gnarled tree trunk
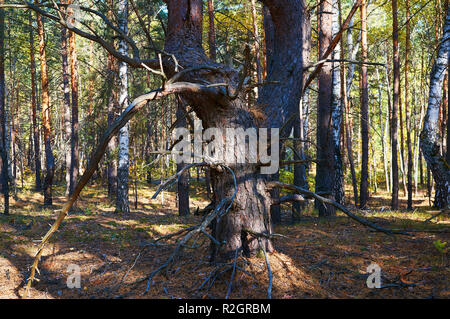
(251, 207)
(430, 140)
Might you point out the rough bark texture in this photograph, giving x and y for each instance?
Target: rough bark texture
(325, 148)
(251, 206)
(269, 29)
(122, 200)
(430, 140)
(46, 121)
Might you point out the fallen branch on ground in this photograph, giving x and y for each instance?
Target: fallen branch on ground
(221, 209)
(342, 208)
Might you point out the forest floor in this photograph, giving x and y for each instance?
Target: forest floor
(322, 258)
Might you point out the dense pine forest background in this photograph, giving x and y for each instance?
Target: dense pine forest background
(359, 90)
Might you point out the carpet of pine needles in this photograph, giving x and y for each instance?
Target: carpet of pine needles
(321, 259)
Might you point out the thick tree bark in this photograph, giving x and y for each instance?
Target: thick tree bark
(364, 193)
(184, 39)
(325, 148)
(395, 105)
(430, 140)
(122, 201)
(4, 175)
(269, 30)
(46, 120)
(35, 129)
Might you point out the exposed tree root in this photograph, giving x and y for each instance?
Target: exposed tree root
(221, 209)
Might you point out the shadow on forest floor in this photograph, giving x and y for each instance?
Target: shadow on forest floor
(323, 259)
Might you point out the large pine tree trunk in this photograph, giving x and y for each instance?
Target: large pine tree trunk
(251, 207)
(269, 30)
(430, 140)
(46, 121)
(325, 148)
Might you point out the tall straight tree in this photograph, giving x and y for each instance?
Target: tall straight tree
(4, 174)
(364, 194)
(336, 114)
(259, 75)
(35, 129)
(408, 123)
(67, 109)
(395, 105)
(346, 93)
(325, 149)
(301, 123)
(269, 30)
(430, 139)
(111, 66)
(211, 31)
(183, 180)
(122, 201)
(46, 118)
(74, 156)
